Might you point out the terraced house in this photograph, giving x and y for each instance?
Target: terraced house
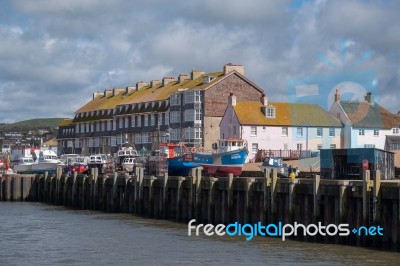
(186, 109)
(287, 130)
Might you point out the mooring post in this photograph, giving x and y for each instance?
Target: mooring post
(266, 182)
(342, 202)
(178, 197)
(273, 194)
(316, 182)
(73, 194)
(291, 199)
(366, 189)
(228, 211)
(141, 176)
(211, 205)
(376, 191)
(164, 196)
(198, 191)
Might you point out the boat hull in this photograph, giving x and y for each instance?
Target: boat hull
(177, 166)
(225, 163)
(23, 168)
(43, 167)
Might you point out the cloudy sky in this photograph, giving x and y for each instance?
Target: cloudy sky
(55, 54)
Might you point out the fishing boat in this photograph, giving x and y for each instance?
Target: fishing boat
(125, 150)
(47, 162)
(179, 158)
(24, 165)
(227, 157)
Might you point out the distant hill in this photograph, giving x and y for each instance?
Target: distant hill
(32, 124)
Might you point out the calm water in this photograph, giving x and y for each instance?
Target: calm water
(38, 234)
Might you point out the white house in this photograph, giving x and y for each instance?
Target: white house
(367, 124)
(283, 128)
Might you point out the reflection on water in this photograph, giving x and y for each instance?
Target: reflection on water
(38, 234)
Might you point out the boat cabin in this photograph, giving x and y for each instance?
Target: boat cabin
(231, 144)
(171, 150)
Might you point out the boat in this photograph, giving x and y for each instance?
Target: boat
(47, 162)
(24, 165)
(281, 168)
(129, 164)
(227, 157)
(179, 158)
(125, 150)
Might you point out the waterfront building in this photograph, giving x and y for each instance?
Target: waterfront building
(186, 109)
(367, 124)
(286, 129)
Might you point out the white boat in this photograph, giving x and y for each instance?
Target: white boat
(24, 165)
(124, 151)
(47, 162)
(129, 164)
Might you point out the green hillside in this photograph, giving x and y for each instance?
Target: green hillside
(39, 123)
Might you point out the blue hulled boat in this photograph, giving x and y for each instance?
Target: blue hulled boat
(179, 159)
(226, 158)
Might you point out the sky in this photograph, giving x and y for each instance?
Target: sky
(55, 54)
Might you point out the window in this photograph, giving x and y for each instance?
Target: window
(189, 96)
(299, 146)
(175, 117)
(197, 97)
(319, 132)
(331, 132)
(114, 124)
(253, 131)
(197, 115)
(264, 128)
(77, 128)
(376, 132)
(254, 147)
(189, 134)
(333, 146)
(109, 124)
(369, 146)
(299, 132)
(152, 120)
(166, 118)
(145, 121)
(139, 121)
(175, 134)
(285, 131)
(396, 130)
(197, 133)
(361, 132)
(285, 146)
(189, 115)
(126, 122)
(175, 99)
(394, 146)
(133, 121)
(319, 146)
(270, 112)
(120, 122)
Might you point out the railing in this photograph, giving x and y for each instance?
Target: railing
(284, 154)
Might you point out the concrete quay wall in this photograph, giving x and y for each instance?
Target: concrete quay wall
(215, 200)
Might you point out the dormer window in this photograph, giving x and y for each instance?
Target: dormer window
(270, 112)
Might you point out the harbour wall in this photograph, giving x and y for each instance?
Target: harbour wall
(215, 200)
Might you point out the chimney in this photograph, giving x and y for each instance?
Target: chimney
(370, 98)
(167, 80)
(140, 85)
(97, 94)
(117, 91)
(108, 93)
(232, 100)
(231, 67)
(182, 77)
(337, 95)
(264, 99)
(196, 73)
(154, 83)
(130, 89)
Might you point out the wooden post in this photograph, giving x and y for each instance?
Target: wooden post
(73, 194)
(164, 196)
(198, 191)
(365, 187)
(376, 191)
(178, 198)
(273, 193)
(316, 181)
(266, 182)
(342, 203)
(230, 214)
